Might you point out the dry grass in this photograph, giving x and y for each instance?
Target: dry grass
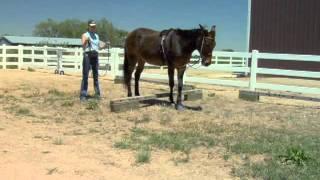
(228, 139)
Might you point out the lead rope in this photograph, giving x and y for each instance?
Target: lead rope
(163, 50)
(199, 59)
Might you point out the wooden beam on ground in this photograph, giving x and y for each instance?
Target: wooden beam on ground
(254, 95)
(249, 95)
(119, 80)
(130, 103)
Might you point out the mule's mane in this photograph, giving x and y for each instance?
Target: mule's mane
(193, 33)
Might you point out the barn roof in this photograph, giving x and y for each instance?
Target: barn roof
(29, 40)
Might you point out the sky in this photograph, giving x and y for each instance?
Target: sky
(19, 17)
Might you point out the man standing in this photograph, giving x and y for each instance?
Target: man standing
(91, 45)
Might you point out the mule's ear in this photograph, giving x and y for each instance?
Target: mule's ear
(201, 27)
(213, 28)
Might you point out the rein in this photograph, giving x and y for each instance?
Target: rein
(163, 38)
(201, 54)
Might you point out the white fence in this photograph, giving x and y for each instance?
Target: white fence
(17, 57)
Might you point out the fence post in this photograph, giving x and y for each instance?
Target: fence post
(117, 62)
(113, 59)
(20, 56)
(32, 56)
(1, 57)
(253, 70)
(60, 56)
(184, 79)
(245, 63)
(4, 56)
(45, 56)
(79, 59)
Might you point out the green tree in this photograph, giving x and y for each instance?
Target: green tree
(48, 28)
(73, 28)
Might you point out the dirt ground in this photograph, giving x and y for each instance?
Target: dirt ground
(51, 139)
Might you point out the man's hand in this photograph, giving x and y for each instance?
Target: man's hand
(103, 45)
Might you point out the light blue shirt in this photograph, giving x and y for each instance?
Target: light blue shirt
(94, 41)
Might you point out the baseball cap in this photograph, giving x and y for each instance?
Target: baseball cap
(91, 23)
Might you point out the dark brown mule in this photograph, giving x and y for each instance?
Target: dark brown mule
(171, 47)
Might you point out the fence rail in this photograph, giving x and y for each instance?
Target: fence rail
(111, 62)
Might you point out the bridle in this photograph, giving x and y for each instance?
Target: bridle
(201, 53)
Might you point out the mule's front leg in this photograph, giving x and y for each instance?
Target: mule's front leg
(171, 82)
(128, 82)
(179, 105)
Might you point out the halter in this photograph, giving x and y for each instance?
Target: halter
(201, 54)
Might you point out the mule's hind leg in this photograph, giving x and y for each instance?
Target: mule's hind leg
(179, 105)
(130, 68)
(137, 75)
(171, 82)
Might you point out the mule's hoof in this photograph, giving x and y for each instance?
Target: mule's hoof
(179, 107)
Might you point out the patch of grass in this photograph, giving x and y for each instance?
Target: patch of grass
(181, 158)
(52, 171)
(31, 69)
(174, 141)
(98, 119)
(78, 132)
(226, 157)
(67, 103)
(34, 93)
(165, 119)
(93, 130)
(143, 155)
(59, 120)
(123, 144)
(92, 105)
(79, 122)
(25, 87)
(56, 92)
(50, 100)
(82, 113)
(11, 98)
(295, 155)
(291, 153)
(44, 138)
(145, 118)
(132, 118)
(58, 98)
(38, 121)
(23, 111)
(58, 141)
(285, 162)
(185, 119)
(211, 94)
(37, 136)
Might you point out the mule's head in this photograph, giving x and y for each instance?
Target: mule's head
(206, 44)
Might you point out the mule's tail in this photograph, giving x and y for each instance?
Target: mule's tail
(126, 74)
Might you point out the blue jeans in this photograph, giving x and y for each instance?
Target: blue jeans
(88, 63)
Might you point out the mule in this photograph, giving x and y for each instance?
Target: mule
(172, 48)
